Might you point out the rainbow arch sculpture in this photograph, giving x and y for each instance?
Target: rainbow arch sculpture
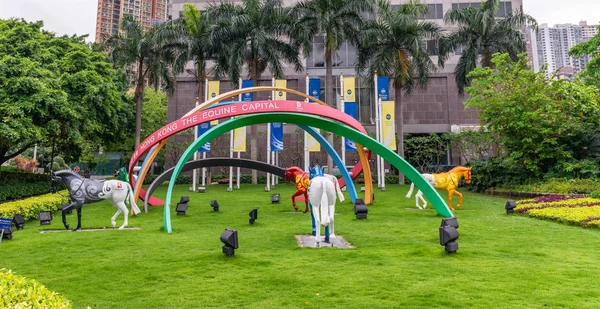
(300, 118)
(158, 139)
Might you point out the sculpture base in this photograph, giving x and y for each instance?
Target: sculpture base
(308, 241)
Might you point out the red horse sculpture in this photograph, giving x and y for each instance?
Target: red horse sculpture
(301, 180)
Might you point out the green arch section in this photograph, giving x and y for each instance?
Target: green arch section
(334, 127)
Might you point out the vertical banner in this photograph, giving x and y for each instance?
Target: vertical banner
(383, 90)
(247, 96)
(277, 136)
(280, 83)
(388, 127)
(213, 91)
(314, 89)
(239, 134)
(202, 128)
(350, 106)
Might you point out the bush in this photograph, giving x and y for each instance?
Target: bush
(30, 207)
(496, 172)
(595, 194)
(20, 292)
(14, 185)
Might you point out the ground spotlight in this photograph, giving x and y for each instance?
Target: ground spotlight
(215, 205)
(448, 237)
(360, 209)
(201, 189)
(275, 198)
(45, 217)
(253, 215)
(230, 240)
(362, 189)
(453, 222)
(19, 222)
(510, 206)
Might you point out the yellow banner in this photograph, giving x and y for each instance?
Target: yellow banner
(388, 126)
(349, 89)
(280, 83)
(213, 91)
(312, 144)
(239, 139)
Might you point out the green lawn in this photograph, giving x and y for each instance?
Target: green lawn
(503, 261)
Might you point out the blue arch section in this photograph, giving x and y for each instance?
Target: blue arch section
(328, 148)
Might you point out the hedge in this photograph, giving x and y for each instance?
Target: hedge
(572, 209)
(30, 207)
(15, 185)
(19, 292)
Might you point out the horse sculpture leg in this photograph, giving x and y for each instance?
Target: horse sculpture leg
(316, 215)
(305, 202)
(460, 198)
(450, 192)
(113, 220)
(78, 218)
(298, 193)
(74, 205)
(123, 209)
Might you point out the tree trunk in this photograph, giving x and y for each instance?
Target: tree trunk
(400, 127)
(201, 78)
(253, 129)
(139, 96)
(486, 57)
(330, 99)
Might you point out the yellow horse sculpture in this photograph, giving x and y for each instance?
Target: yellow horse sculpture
(445, 181)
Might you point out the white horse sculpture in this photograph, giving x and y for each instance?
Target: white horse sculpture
(321, 194)
(85, 191)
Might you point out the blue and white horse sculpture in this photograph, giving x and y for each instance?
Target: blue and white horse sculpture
(322, 197)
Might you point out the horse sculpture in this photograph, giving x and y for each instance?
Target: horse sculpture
(302, 180)
(86, 191)
(446, 181)
(321, 194)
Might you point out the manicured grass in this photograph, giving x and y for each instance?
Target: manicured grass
(503, 261)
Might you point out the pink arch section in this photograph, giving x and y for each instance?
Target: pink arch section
(239, 109)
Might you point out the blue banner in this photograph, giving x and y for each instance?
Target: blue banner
(247, 96)
(202, 128)
(277, 136)
(314, 88)
(383, 89)
(350, 109)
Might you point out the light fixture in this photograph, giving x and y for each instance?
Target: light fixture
(449, 235)
(215, 205)
(19, 221)
(201, 189)
(453, 222)
(253, 215)
(362, 189)
(230, 240)
(267, 189)
(275, 198)
(510, 206)
(181, 208)
(184, 199)
(45, 217)
(360, 209)
(5, 230)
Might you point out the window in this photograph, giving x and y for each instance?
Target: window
(434, 11)
(505, 7)
(432, 48)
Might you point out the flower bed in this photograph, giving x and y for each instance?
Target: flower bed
(30, 207)
(574, 209)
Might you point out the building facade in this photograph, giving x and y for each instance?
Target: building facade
(550, 46)
(110, 12)
(432, 110)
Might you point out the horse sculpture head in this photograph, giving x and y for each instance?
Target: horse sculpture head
(291, 172)
(316, 171)
(468, 175)
(465, 171)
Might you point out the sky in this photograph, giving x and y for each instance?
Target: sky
(79, 16)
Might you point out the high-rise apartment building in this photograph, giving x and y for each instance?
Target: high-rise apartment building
(434, 109)
(550, 46)
(110, 12)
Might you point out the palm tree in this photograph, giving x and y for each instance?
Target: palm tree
(151, 60)
(338, 21)
(481, 33)
(395, 45)
(253, 36)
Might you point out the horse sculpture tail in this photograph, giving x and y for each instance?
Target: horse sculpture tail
(338, 189)
(325, 219)
(134, 207)
(412, 186)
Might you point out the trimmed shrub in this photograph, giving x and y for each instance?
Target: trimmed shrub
(496, 172)
(30, 207)
(14, 185)
(595, 194)
(19, 292)
(572, 209)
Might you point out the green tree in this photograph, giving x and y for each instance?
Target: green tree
(537, 120)
(394, 44)
(54, 91)
(338, 21)
(146, 54)
(591, 74)
(253, 36)
(480, 33)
